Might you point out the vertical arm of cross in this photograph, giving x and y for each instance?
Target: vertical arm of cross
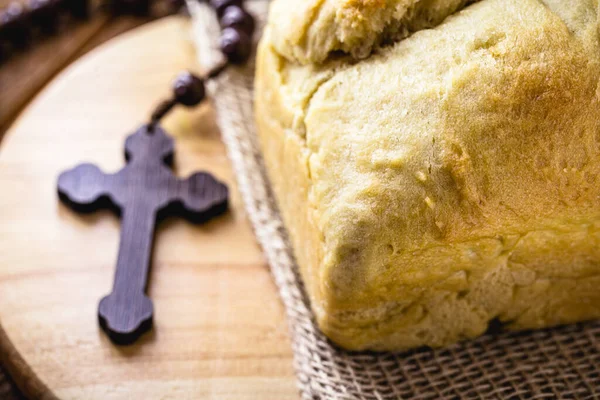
(127, 312)
(135, 248)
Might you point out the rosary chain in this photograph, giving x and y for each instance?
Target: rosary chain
(237, 27)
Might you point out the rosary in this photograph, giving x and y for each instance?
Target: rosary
(18, 23)
(145, 191)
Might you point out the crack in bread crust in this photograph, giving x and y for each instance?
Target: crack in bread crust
(311, 31)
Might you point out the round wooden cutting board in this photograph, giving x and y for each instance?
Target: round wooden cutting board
(219, 329)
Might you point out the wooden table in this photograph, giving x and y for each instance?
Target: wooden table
(220, 331)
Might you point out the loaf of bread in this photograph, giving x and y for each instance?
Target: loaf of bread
(436, 163)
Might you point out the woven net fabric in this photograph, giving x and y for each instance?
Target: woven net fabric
(559, 363)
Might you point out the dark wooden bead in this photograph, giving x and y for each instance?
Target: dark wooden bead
(44, 13)
(14, 24)
(130, 7)
(188, 89)
(4, 49)
(221, 5)
(235, 45)
(77, 8)
(237, 17)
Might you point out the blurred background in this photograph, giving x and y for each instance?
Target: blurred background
(38, 38)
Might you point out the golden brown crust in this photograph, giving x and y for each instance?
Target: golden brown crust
(450, 179)
(286, 160)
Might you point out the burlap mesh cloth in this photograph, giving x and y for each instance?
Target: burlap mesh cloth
(560, 363)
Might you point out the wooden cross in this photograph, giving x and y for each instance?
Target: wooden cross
(142, 193)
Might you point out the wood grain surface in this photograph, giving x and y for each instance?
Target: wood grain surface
(220, 331)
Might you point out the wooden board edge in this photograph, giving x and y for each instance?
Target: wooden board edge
(95, 26)
(21, 372)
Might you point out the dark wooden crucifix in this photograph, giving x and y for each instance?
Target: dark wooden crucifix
(142, 193)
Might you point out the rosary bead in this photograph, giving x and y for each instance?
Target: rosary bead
(78, 8)
(221, 5)
(14, 24)
(44, 13)
(237, 17)
(188, 89)
(235, 45)
(4, 49)
(130, 7)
